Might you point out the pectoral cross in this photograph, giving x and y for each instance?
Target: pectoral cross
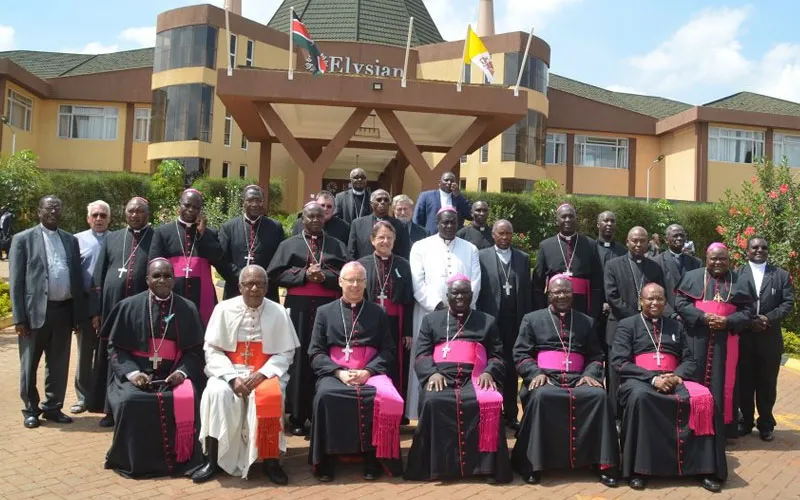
(249, 259)
(381, 298)
(658, 357)
(246, 355)
(122, 271)
(445, 350)
(347, 351)
(717, 297)
(156, 360)
(567, 362)
(187, 270)
(507, 288)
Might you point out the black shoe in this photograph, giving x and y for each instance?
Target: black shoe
(325, 470)
(637, 483)
(274, 471)
(608, 478)
(57, 417)
(208, 469)
(404, 421)
(766, 435)
(106, 421)
(31, 422)
(743, 430)
(78, 407)
(711, 485)
(534, 478)
(372, 468)
(298, 430)
(513, 425)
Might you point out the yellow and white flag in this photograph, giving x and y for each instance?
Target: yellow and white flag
(476, 52)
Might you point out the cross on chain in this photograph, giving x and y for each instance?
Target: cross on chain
(382, 298)
(187, 270)
(156, 360)
(445, 350)
(567, 362)
(658, 357)
(122, 271)
(246, 355)
(249, 259)
(507, 288)
(347, 351)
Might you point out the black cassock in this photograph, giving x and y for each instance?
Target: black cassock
(344, 422)
(335, 227)
(716, 352)
(147, 440)
(578, 257)
(239, 239)
(563, 426)
(392, 276)
(123, 249)
(350, 206)
(675, 267)
(455, 425)
(180, 243)
(303, 297)
(481, 237)
(359, 244)
(656, 438)
(606, 250)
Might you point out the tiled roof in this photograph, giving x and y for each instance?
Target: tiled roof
(375, 21)
(748, 101)
(54, 64)
(657, 107)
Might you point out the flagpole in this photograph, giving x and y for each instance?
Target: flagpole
(408, 49)
(291, 43)
(524, 62)
(228, 29)
(463, 56)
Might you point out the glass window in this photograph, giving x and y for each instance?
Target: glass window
(485, 153)
(463, 159)
(187, 46)
(88, 122)
(228, 129)
(482, 184)
(607, 152)
(232, 50)
(788, 147)
(511, 185)
(535, 76)
(251, 45)
(556, 151)
(141, 126)
(226, 167)
(182, 113)
(735, 146)
(462, 183)
(19, 111)
(244, 144)
(524, 141)
(242, 171)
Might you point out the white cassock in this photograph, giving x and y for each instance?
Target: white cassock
(224, 415)
(433, 262)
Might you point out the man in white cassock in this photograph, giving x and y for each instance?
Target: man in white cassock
(434, 260)
(249, 345)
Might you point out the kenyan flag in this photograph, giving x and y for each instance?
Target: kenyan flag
(302, 39)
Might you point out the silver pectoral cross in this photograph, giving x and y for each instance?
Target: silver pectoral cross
(249, 259)
(507, 288)
(657, 356)
(122, 271)
(156, 360)
(347, 351)
(382, 298)
(445, 350)
(567, 362)
(187, 270)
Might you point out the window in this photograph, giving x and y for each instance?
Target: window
(535, 76)
(232, 51)
(20, 111)
(242, 171)
(226, 167)
(182, 113)
(462, 183)
(86, 122)
(524, 141)
(251, 46)
(735, 146)
(463, 159)
(486, 79)
(482, 184)
(605, 152)
(485, 153)
(188, 46)
(244, 144)
(556, 151)
(141, 127)
(511, 185)
(786, 146)
(228, 128)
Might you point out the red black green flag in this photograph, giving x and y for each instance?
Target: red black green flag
(316, 60)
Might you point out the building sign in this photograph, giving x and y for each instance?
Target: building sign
(346, 65)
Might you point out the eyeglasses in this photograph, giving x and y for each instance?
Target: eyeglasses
(99, 216)
(358, 177)
(382, 200)
(354, 281)
(257, 284)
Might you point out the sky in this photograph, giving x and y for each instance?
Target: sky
(690, 50)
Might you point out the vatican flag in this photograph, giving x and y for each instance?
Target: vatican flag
(475, 52)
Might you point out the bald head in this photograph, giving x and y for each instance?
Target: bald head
(652, 300)
(676, 238)
(502, 233)
(637, 242)
(606, 225)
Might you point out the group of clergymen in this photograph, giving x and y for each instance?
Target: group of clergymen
(392, 318)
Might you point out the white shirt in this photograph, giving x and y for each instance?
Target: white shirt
(446, 199)
(503, 255)
(758, 274)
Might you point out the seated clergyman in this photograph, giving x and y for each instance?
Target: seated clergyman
(250, 344)
(567, 416)
(357, 409)
(459, 362)
(667, 419)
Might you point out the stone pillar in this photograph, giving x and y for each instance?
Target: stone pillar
(486, 18)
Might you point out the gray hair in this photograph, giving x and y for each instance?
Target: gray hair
(377, 193)
(354, 264)
(254, 267)
(97, 203)
(402, 198)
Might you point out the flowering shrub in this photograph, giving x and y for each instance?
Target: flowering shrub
(523, 242)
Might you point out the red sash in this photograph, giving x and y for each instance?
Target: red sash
(732, 353)
(201, 269)
(557, 360)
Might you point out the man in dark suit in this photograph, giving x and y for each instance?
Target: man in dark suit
(333, 226)
(430, 202)
(354, 203)
(402, 208)
(47, 300)
(506, 294)
(675, 263)
(761, 345)
(360, 241)
(6, 218)
(478, 232)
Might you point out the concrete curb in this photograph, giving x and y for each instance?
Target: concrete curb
(790, 363)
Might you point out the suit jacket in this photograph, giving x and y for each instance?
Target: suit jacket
(429, 204)
(346, 208)
(621, 292)
(28, 277)
(776, 296)
(489, 295)
(672, 273)
(359, 244)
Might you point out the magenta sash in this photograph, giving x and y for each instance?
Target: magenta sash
(582, 286)
(701, 402)
(731, 356)
(201, 269)
(557, 360)
(387, 410)
(312, 289)
(490, 402)
(182, 401)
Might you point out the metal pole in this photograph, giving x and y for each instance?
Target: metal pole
(524, 61)
(648, 181)
(291, 43)
(408, 49)
(463, 56)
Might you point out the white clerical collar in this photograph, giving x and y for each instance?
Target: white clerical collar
(159, 299)
(603, 242)
(138, 231)
(760, 267)
(351, 305)
(358, 193)
(49, 231)
(251, 221)
(254, 312)
(382, 257)
(501, 251)
(187, 224)
(565, 237)
(638, 260)
(309, 235)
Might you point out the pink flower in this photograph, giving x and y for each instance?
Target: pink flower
(732, 211)
(793, 254)
(720, 230)
(749, 231)
(784, 188)
(773, 194)
(753, 180)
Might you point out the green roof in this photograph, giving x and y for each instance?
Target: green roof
(657, 107)
(55, 64)
(748, 101)
(374, 21)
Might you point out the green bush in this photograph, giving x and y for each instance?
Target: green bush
(791, 343)
(21, 186)
(5, 299)
(224, 188)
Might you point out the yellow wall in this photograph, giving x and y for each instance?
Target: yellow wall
(647, 149)
(679, 148)
(181, 76)
(25, 139)
(559, 174)
(724, 175)
(599, 180)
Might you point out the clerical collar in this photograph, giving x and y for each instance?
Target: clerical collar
(159, 299)
(309, 235)
(565, 237)
(351, 305)
(251, 221)
(455, 314)
(676, 255)
(138, 231)
(481, 228)
(382, 257)
(49, 231)
(637, 260)
(187, 224)
(603, 242)
(254, 311)
(650, 318)
(358, 193)
(501, 251)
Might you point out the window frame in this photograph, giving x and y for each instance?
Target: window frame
(552, 139)
(137, 119)
(107, 115)
(226, 169)
(13, 97)
(243, 165)
(483, 184)
(245, 144)
(779, 142)
(233, 44)
(484, 154)
(718, 136)
(227, 131)
(622, 145)
(250, 53)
